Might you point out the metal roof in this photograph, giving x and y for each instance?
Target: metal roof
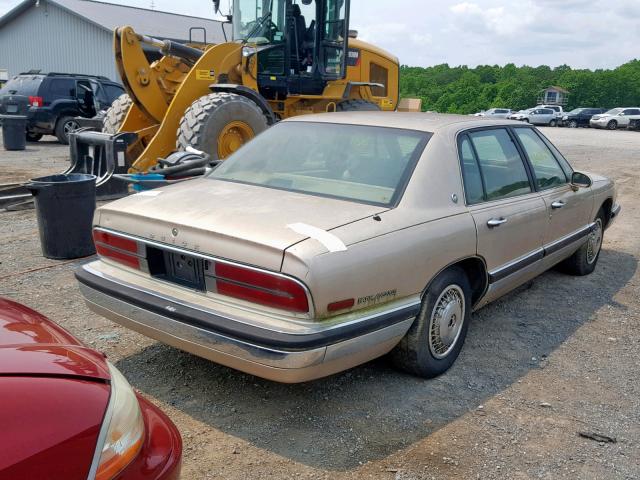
(149, 22)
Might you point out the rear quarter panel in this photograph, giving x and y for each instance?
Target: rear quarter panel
(391, 266)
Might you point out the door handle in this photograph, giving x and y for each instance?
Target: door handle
(496, 222)
(558, 204)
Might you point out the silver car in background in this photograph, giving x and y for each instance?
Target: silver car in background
(494, 113)
(538, 116)
(614, 118)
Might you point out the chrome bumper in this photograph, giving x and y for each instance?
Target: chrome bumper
(278, 364)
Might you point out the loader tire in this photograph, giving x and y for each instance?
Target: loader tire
(116, 114)
(357, 105)
(219, 124)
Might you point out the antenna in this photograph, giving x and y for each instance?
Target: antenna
(153, 5)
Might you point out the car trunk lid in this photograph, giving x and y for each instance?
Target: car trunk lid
(246, 223)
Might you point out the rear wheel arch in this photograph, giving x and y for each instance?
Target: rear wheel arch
(475, 269)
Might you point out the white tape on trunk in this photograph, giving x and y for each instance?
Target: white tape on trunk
(330, 241)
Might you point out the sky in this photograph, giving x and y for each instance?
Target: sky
(579, 33)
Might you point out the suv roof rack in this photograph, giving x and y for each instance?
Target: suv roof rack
(59, 74)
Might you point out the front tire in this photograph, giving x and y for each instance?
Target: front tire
(436, 337)
(116, 113)
(553, 123)
(219, 124)
(64, 127)
(612, 125)
(573, 124)
(584, 260)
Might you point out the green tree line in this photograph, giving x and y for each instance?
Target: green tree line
(467, 90)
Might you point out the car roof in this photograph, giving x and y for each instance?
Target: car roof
(426, 122)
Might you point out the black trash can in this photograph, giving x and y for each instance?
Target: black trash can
(14, 131)
(64, 205)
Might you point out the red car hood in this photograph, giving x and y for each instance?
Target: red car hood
(53, 396)
(32, 345)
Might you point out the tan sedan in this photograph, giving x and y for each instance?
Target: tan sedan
(333, 239)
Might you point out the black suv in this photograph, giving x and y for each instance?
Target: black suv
(54, 99)
(579, 117)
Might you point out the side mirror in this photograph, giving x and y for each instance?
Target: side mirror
(580, 180)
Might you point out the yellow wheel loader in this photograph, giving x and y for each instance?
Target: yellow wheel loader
(287, 57)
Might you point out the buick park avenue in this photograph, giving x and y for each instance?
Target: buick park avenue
(333, 239)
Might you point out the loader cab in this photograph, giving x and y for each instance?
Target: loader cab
(300, 44)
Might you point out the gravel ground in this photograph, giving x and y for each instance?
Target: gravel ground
(557, 357)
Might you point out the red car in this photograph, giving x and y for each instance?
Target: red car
(67, 413)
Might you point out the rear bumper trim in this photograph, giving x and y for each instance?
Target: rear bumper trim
(273, 364)
(226, 326)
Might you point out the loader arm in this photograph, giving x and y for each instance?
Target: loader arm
(219, 63)
(150, 86)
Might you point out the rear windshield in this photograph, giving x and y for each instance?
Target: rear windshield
(22, 85)
(352, 162)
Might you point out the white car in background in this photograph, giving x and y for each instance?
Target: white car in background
(520, 114)
(614, 118)
(494, 113)
(556, 108)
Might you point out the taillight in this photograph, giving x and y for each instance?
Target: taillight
(259, 287)
(119, 249)
(35, 101)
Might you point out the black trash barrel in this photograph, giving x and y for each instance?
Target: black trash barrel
(14, 132)
(64, 206)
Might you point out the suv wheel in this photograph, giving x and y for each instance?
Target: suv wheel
(436, 337)
(64, 127)
(553, 123)
(573, 124)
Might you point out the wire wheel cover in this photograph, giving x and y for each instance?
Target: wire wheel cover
(446, 321)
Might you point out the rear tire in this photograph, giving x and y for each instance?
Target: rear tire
(436, 337)
(116, 113)
(64, 127)
(220, 123)
(612, 125)
(584, 260)
(33, 137)
(357, 105)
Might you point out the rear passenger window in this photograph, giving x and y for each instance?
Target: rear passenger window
(62, 88)
(545, 167)
(502, 167)
(474, 193)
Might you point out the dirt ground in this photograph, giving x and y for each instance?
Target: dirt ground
(557, 357)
